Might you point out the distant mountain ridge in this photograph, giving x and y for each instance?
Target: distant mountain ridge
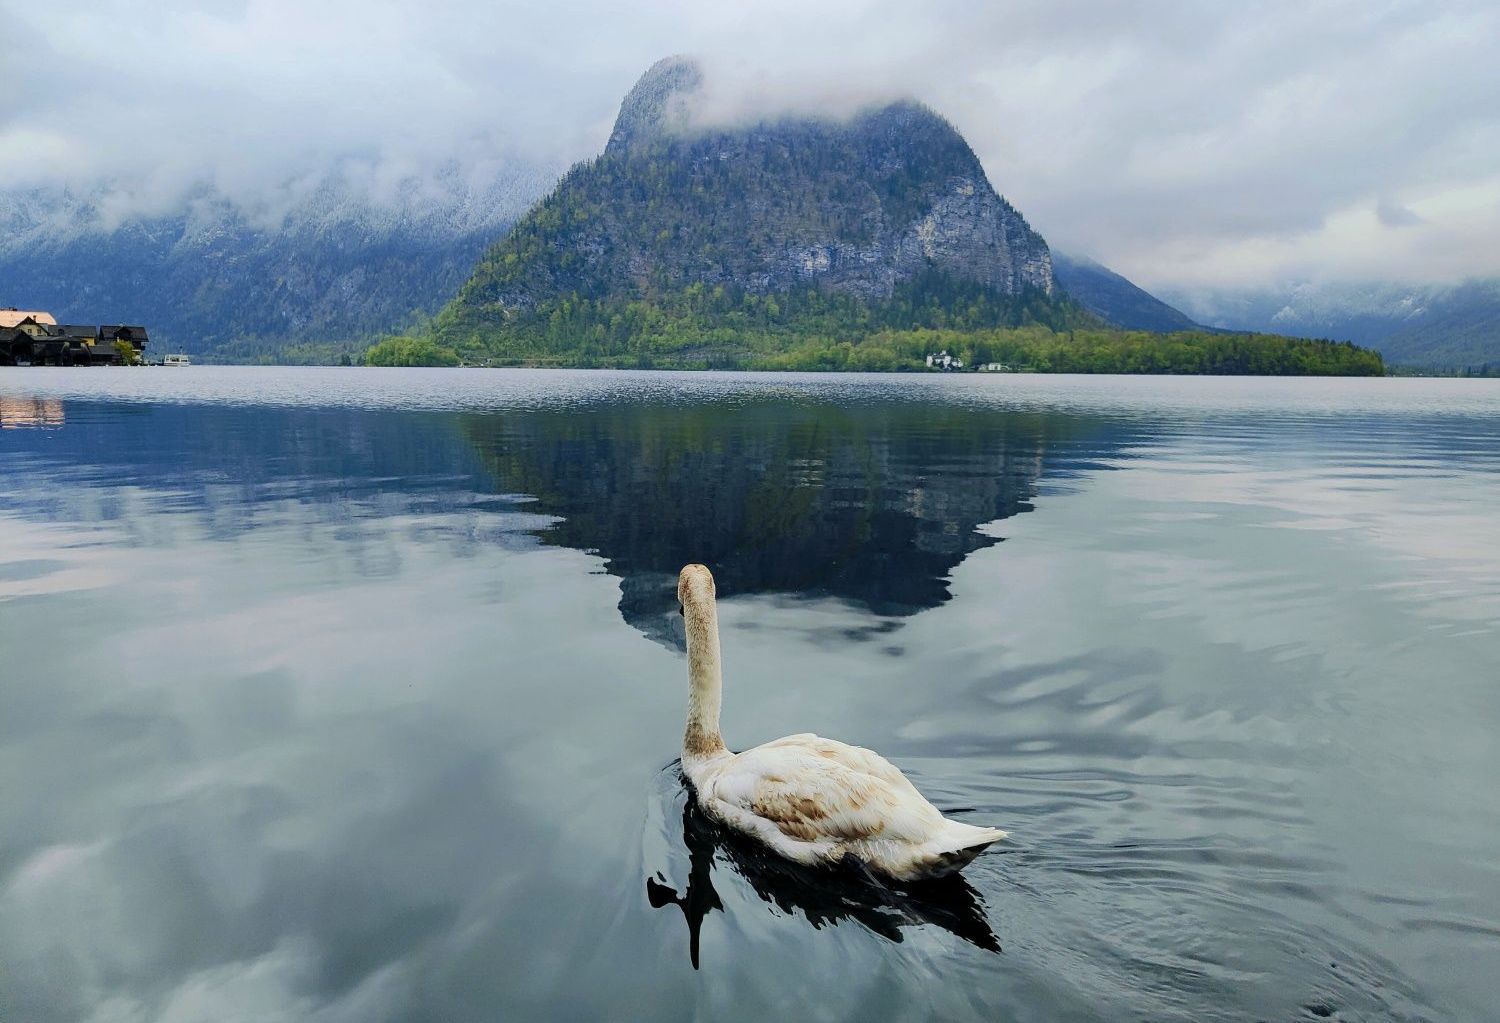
(791, 224)
(338, 263)
(1114, 299)
(1444, 326)
(785, 242)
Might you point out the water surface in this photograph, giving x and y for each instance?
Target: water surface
(356, 694)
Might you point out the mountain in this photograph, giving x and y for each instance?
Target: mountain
(1460, 327)
(335, 261)
(1114, 299)
(685, 238)
(1426, 325)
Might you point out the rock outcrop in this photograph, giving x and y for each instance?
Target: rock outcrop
(660, 101)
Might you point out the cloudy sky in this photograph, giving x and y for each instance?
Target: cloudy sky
(1178, 142)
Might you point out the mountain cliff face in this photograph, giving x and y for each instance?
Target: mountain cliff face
(856, 206)
(889, 209)
(220, 276)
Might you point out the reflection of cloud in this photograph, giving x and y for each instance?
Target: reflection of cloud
(275, 987)
(301, 763)
(68, 916)
(262, 901)
(1396, 507)
(69, 566)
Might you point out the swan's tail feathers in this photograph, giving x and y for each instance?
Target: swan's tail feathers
(957, 848)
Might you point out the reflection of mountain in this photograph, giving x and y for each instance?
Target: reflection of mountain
(872, 504)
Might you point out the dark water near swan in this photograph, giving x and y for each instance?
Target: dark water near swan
(355, 695)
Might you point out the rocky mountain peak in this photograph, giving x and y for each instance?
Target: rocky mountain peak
(710, 212)
(861, 205)
(660, 101)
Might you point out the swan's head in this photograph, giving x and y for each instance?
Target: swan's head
(695, 588)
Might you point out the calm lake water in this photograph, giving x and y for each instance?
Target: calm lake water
(356, 694)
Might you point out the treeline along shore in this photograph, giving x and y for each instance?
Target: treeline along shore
(1035, 349)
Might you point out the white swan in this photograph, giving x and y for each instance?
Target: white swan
(813, 800)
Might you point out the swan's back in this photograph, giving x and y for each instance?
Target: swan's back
(816, 800)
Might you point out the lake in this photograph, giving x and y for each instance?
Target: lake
(356, 694)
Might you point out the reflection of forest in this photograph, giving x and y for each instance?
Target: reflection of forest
(872, 504)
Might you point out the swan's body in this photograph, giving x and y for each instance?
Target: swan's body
(813, 800)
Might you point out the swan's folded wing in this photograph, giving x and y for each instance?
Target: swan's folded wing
(856, 758)
(811, 792)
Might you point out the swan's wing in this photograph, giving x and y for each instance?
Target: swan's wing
(817, 790)
(856, 758)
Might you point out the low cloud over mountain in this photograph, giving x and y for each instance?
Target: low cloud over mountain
(1176, 142)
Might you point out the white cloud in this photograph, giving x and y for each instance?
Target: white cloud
(1172, 140)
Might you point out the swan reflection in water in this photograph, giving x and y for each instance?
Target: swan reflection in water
(824, 897)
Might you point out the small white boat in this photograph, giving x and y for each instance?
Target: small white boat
(177, 360)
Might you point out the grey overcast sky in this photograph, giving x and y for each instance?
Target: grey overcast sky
(1179, 142)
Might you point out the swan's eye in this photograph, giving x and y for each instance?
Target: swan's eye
(681, 613)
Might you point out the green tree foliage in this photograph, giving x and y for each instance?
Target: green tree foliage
(410, 351)
(1096, 350)
(1483, 369)
(702, 327)
(704, 322)
(301, 353)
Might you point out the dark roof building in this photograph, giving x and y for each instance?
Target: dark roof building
(118, 332)
(36, 339)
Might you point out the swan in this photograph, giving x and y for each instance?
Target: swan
(814, 801)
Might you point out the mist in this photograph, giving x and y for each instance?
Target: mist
(1183, 143)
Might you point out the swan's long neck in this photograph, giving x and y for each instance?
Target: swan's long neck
(702, 737)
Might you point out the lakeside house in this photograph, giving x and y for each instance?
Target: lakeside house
(943, 361)
(35, 338)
